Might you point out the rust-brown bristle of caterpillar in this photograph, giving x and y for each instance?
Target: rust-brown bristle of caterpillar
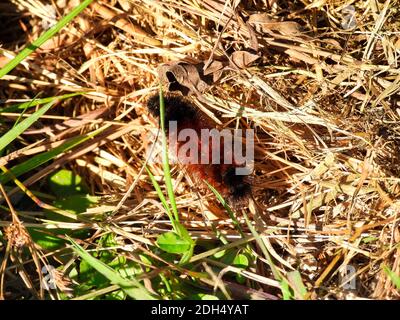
(223, 177)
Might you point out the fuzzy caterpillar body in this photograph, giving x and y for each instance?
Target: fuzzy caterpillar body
(222, 176)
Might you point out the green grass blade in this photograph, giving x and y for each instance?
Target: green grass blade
(11, 135)
(160, 195)
(44, 157)
(43, 38)
(95, 293)
(277, 275)
(263, 247)
(393, 276)
(181, 235)
(35, 102)
(286, 292)
(131, 286)
(295, 281)
(167, 170)
(226, 206)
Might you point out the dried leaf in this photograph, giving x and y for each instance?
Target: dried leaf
(253, 37)
(215, 68)
(182, 76)
(195, 78)
(263, 23)
(242, 59)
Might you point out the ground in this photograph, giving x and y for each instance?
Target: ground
(85, 215)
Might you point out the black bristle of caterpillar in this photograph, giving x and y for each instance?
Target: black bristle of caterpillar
(176, 108)
(239, 187)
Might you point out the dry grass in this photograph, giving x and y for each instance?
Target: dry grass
(323, 99)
